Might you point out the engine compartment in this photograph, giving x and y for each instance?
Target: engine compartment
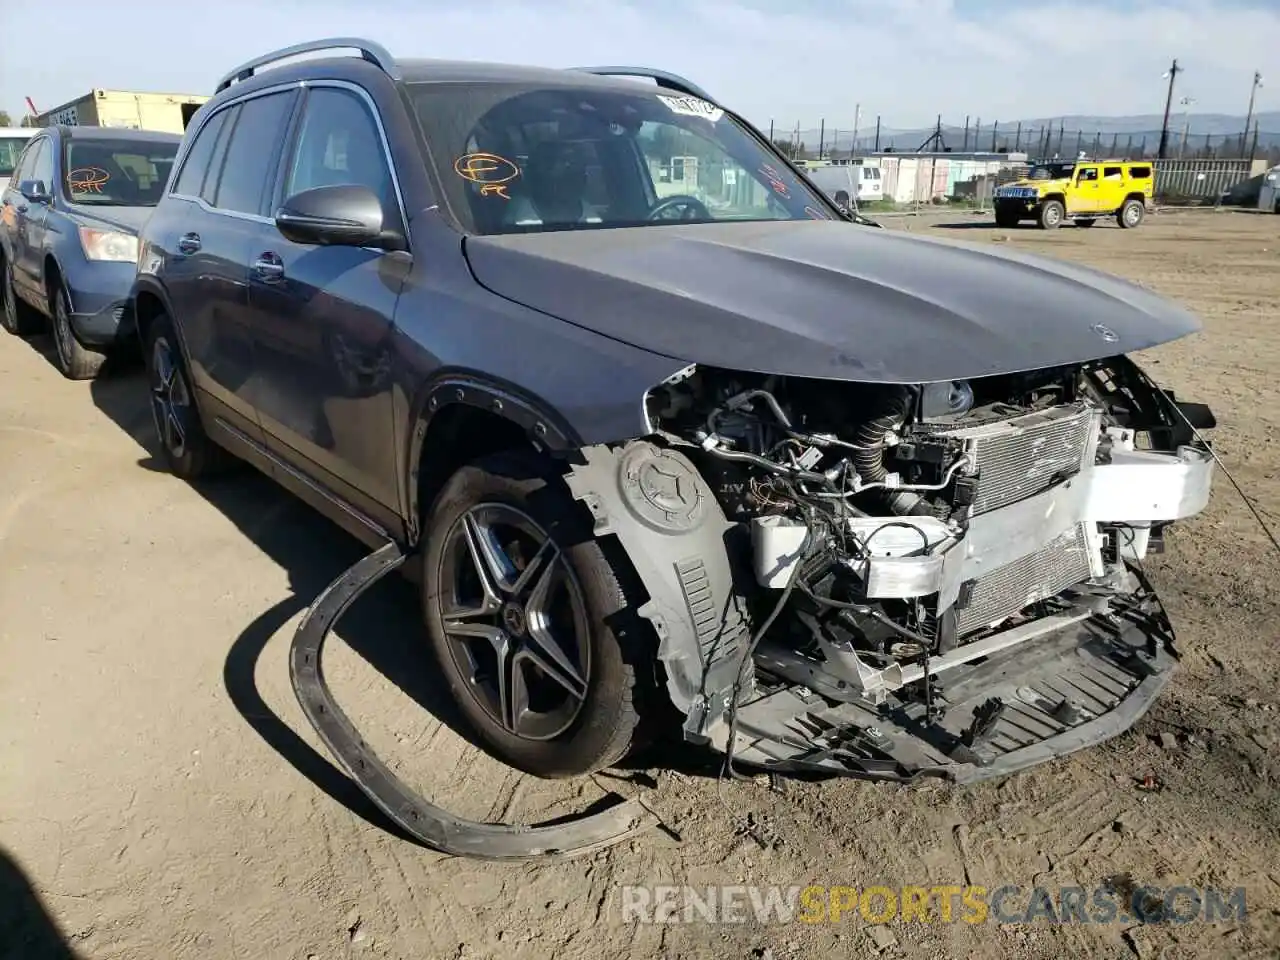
(858, 498)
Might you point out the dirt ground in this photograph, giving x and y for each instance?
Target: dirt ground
(161, 794)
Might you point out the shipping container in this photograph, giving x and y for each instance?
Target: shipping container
(166, 112)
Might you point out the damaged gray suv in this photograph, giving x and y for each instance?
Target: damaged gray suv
(676, 443)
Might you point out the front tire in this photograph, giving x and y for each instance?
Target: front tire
(528, 620)
(75, 360)
(184, 445)
(1006, 218)
(1051, 214)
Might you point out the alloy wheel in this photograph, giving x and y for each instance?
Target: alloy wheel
(170, 399)
(516, 620)
(1131, 214)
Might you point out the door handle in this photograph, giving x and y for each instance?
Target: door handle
(189, 243)
(268, 268)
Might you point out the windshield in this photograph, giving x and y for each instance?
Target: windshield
(117, 173)
(517, 158)
(10, 150)
(1051, 171)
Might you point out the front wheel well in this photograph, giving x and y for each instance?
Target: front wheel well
(146, 307)
(52, 279)
(455, 436)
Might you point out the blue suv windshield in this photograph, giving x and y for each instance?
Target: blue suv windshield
(117, 173)
(517, 158)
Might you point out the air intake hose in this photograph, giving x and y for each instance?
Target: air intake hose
(891, 412)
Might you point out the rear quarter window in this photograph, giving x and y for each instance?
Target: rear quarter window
(1140, 173)
(196, 165)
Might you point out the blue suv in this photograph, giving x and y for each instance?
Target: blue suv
(68, 236)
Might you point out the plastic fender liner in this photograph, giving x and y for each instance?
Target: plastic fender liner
(424, 821)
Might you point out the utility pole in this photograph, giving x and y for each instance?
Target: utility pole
(857, 115)
(1017, 138)
(1172, 74)
(1253, 92)
(877, 149)
(966, 133)
(822, 136)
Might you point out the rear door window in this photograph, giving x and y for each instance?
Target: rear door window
(1109, 172)
(251, 153)
(196, 166)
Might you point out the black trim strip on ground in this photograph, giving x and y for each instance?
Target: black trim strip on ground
(424, 821)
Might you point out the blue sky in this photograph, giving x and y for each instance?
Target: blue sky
(787, 60)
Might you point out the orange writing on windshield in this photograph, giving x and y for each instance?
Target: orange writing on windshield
(87, 179)
(489, 170)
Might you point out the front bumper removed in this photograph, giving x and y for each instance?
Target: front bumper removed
(1086, 678)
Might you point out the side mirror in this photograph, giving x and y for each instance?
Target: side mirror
(35, 191)
(344, 215)
(842, 199)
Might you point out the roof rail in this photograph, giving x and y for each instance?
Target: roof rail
(670, 81)
(370, 51)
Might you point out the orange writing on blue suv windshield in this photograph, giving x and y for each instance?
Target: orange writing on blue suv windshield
(489, 170)
(87, 179)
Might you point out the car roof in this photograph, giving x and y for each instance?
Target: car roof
(118, 133)
(282, 66)
(464, 71)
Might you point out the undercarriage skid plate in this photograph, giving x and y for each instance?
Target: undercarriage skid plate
(420, 819)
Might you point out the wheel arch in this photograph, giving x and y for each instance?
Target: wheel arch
(148, 300)
(51, 278)
(463, 415)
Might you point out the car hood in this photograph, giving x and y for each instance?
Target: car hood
(826, 299)
(128, 219)
(1061, 183)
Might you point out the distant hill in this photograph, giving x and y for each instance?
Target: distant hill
(1215, 127)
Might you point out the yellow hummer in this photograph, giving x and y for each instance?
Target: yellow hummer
(1082, 191)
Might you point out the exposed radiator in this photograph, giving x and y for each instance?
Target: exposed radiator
(1059, 564)
(1022, 456)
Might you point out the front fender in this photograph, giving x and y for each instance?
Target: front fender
(540, 421)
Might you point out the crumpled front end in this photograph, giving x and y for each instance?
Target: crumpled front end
(903, 581)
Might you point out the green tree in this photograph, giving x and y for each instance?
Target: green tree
(28, 121)
(5, 119)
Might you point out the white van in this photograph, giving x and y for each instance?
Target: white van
(12, 140)
(862, 181)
